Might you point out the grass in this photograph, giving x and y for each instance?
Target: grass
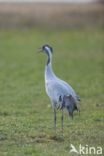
(26, 119)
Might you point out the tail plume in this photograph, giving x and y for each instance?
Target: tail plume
(70, 104)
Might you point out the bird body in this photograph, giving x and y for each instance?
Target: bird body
(60, 93)
(56, 88)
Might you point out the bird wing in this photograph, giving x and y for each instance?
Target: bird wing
(55, 88)
(77, 98)
(70, 90)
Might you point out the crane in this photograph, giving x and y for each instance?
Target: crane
(61, 94)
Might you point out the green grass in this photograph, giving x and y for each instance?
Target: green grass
(26, 118)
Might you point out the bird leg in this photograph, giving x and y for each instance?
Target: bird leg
(62, 119)
(55, 119)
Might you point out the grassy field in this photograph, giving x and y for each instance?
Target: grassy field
(26, 118)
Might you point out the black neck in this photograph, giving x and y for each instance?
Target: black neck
(49, 59)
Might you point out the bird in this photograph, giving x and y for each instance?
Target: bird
(61, 94)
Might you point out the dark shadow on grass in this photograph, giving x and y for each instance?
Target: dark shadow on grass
(3, 137)
(47, 138)
(4, 114)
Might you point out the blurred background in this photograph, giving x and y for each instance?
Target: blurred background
(69, 14)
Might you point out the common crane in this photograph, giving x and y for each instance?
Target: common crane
(60, 93)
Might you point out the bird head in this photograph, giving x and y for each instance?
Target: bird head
(46, 48)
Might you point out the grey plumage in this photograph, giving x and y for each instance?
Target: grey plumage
(60, 93)
(70, 104)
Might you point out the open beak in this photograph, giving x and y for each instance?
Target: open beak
(40, 50)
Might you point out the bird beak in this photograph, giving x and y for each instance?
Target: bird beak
(40, 50)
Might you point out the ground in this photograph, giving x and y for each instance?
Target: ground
(26, 118)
